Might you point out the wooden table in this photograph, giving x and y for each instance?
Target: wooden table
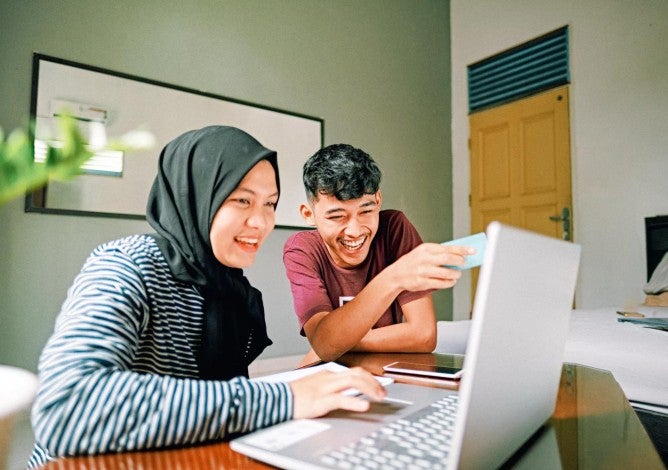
(593, 426)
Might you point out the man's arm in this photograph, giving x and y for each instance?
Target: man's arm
(333, 333)
(416, 335)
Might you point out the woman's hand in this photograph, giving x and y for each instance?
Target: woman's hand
(320, 393)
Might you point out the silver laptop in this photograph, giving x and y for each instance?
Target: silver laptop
(508, 391)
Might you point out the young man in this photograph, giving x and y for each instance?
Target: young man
(362, 280)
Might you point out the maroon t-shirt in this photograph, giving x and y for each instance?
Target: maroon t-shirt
(318, 284)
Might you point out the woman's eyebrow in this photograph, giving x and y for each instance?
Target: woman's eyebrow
(253, 192)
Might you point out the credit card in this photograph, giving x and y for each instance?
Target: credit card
(477, 241)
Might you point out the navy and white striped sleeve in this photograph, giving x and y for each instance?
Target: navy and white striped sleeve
(90, 401)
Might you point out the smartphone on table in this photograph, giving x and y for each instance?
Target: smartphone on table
(428, 370)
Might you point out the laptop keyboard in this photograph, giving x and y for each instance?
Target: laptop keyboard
(418, 440)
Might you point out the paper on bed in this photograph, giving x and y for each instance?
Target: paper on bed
(477, 241)
(656, 323)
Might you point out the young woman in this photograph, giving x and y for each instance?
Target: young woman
(152, 345)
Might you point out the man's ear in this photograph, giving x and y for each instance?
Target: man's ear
(307, 214)
(379, 198)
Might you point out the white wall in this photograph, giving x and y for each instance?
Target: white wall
(619, 126)
(376, 71)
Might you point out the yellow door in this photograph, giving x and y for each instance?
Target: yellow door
(521, 165)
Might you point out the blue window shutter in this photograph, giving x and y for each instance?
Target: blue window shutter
(524, 70)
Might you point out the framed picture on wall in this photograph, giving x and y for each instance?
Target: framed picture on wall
(108, 103)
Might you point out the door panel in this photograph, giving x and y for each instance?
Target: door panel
(495, 170)
(534, 217)
(538, 164)
(521, 165)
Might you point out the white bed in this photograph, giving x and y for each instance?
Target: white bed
(636, 356)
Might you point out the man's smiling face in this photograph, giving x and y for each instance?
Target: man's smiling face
(346, 227)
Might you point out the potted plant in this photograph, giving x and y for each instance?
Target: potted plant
(19, 173)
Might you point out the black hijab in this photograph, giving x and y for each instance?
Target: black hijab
(197, 171)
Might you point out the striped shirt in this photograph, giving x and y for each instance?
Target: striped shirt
(119, 372)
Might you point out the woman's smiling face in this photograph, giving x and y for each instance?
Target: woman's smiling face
(245, 218)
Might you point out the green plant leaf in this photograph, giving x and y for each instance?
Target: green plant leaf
(19, 173)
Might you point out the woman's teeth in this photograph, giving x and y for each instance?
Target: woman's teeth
(247, 241)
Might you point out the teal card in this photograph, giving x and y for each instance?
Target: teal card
(477, 241)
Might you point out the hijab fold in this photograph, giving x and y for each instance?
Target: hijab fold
(197, 171)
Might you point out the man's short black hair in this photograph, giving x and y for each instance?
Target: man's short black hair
(342, 171)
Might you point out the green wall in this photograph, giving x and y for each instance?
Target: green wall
(376, 71)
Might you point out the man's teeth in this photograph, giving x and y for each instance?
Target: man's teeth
(353, 245)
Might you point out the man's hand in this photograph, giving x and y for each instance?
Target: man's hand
(320, 393)
(423, 268)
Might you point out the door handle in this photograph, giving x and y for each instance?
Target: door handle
(565, 219)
